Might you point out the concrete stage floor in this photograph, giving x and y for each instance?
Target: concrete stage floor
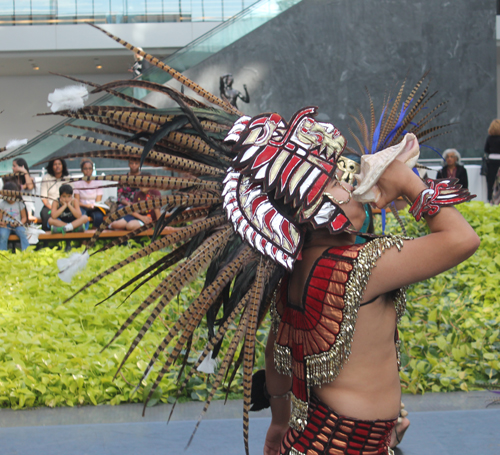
(441, 424)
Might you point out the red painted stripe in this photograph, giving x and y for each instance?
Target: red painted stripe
(259, 121)
(288, 170)
(316, 189)
(268, 217)
(265, 156)
(256, 202)
(339, 222)
(285, 229)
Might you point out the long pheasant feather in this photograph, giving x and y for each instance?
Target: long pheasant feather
(128, 99)
(165, 261)
(210, 346)
(125, 238)
(225, 364)
(192, 316)
(175, 74)
(249, 346)
(152, 86)
(145, 181)
(8, 220)
(180, 235)
(181, 277)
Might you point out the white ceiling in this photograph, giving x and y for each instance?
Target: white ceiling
(71, 62)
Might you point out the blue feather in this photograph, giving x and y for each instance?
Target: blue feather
(382, 212)
(393, 132)
(433, 149)
(376, 134)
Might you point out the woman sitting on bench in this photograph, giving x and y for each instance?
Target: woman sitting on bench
(88, 193)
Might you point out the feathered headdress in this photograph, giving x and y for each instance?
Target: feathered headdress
(404, 125)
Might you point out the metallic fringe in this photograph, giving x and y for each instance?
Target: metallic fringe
(298, 419)
(282, 359)
(398, 353)
(400, 303)
(325, 367)
(275, 317)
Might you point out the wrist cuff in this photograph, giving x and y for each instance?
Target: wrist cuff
(441, 192)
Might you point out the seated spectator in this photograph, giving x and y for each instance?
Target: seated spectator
(136, 220)
(12, 211)
(66, 215)
(49, 190)
(452, 169)
(26, 184)
(89, 193)
(126, 195)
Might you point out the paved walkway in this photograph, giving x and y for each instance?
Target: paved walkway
(442, 424)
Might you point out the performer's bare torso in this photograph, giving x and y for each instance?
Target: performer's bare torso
(368, 387)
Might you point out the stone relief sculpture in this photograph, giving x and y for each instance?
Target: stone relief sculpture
(231, 94)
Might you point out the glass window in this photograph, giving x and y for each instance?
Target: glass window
(231, 7)
(85, 8)
(22, 7)
(119, 11)
(101, 9)
(213, 10)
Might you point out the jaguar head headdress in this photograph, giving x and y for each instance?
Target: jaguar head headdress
(277, 180)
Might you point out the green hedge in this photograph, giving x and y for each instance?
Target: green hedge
(450, 332)
(50, 354)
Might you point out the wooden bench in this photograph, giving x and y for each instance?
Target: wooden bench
(106, 234)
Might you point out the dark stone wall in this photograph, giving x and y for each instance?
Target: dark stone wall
(324, 53)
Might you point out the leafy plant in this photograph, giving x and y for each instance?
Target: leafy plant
(50, 354)
(450, 332)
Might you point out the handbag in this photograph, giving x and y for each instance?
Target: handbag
(484, 165)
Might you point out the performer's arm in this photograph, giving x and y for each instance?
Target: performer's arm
(278, 386)
(451, 241)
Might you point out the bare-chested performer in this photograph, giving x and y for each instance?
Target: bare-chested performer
(271, 218)
(352, 404)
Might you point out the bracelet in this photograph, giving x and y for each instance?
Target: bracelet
(441, 192)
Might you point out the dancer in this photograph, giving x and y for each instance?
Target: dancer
(264, 201)
(345, 383)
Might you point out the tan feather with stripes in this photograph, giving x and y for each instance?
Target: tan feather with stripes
(7, 219)
(249, 347)
(175, 74)
(145, 181)
(180, 235)
(129, 99)
(192, 316)
(148, 85)
(171, 286)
